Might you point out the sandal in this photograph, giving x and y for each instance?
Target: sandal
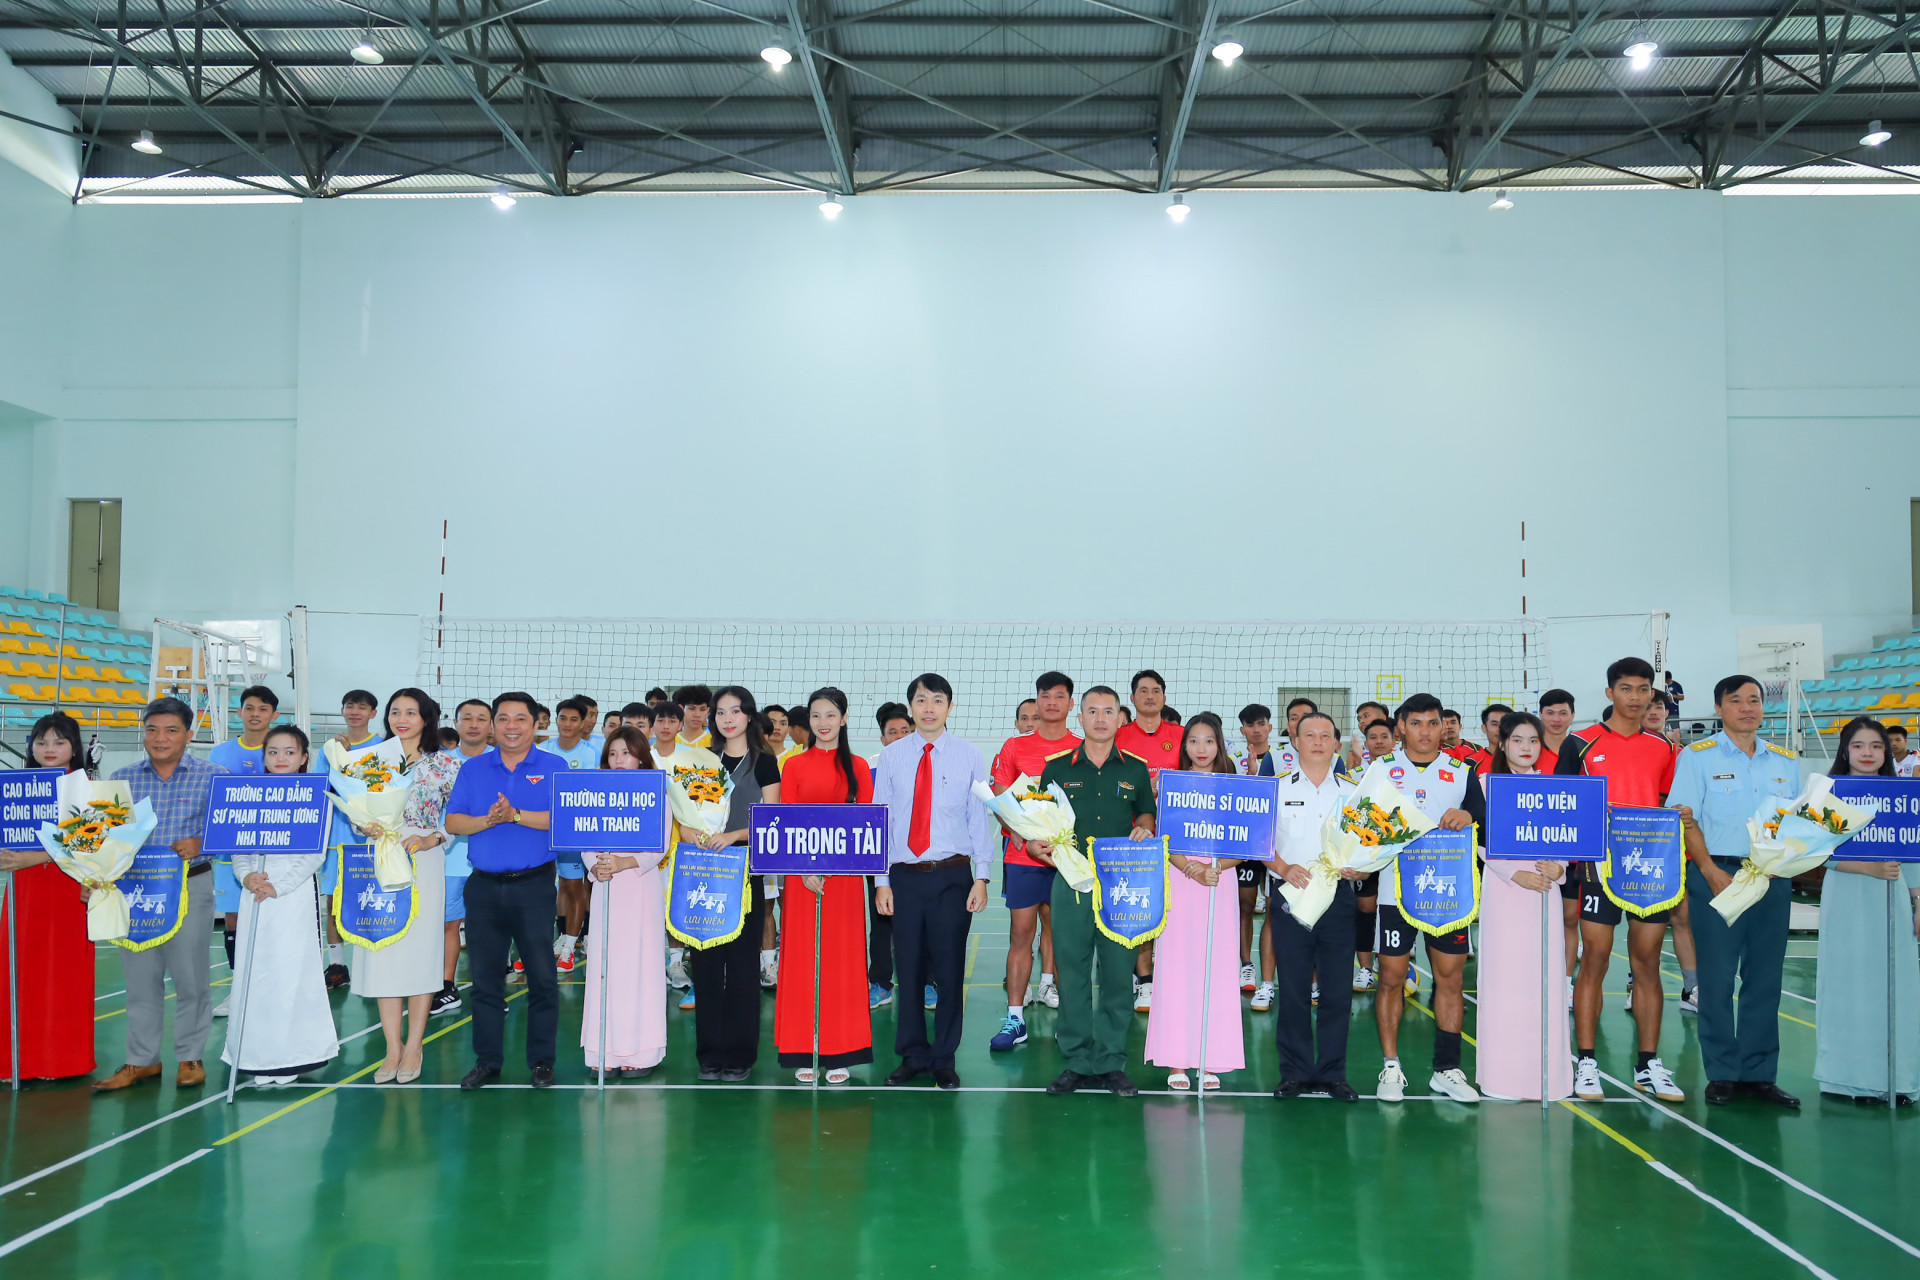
(804, 1075)
(839, 1075)
(1178, 1082)
(1210, 1081)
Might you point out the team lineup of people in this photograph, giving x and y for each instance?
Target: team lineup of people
(476, 825)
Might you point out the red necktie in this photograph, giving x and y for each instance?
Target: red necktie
(920, 828)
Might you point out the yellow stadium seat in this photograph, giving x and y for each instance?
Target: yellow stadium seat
(12, 644)
(115, 674)
(40, 647)
(79, 672)
(19, 627)
(134, 696)
(31, 693)
(131, 716)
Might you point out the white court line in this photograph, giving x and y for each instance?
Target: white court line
(1783, 991)
(21, 1242)
(1745, 1221)
(218, 964)
(827, 1090)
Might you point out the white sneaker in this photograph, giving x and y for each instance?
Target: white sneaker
(1143, 998)
(220, 1010)
(1586, 1081)
(1364, 980)
(677, 974)
(1629, 1004)
(1263, 997)
(1049, 994)
(1248, 978)
(1393, 1083)
(1453, 1083)
(1316, 993)
(769, 973)
(1655, 1079)
(1569, 995)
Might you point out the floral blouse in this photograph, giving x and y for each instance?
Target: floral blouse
(429, 783)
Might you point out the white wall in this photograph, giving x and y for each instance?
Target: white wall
(875, 418)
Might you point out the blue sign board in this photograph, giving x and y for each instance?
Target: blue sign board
(266, 813)
(1894, 833)
(28, 797)
(818, 839)
(1546, 817)
(609, 810)
(1218, 815)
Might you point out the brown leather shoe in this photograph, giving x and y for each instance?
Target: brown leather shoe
(190, 1073)
(128, 1075)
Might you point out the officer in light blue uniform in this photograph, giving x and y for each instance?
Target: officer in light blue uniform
(1724, 780)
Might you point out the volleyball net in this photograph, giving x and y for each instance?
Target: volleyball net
(1207, 666)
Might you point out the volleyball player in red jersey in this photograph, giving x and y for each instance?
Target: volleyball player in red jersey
(1156, 742)
(1638, 767)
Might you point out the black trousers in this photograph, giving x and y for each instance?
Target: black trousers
(726, 989)
(930, 926)
(1298, 952)
(500, 913)
(879, 942)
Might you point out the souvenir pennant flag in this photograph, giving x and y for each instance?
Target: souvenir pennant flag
(366, 914)
(1646, 866)
(1438, 880)
(708, 895)
(1130, 888)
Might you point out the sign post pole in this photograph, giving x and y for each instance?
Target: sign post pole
(817, 898)
(13, 985)
(1206, 983)
(1546, 990)
(1893, 887)
(244, 981)
(605, 930)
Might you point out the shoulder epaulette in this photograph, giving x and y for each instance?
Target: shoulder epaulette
(1789, 754)
(1056, 755)
(1701, 745)
(1134, 754)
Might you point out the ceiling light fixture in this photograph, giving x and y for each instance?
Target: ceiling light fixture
(1227, 49)
(1876, 134)
(831, 208)
(145, 143)
(1501, 202)
(776, 54)
(1641, 46)
(1179, 210)
(502, 201)
(365, 54)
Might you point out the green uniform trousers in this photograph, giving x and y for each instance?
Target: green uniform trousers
(1091, 1024)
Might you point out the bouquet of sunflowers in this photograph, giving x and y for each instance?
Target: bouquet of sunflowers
(99, 832)
(1033, 813)
(700, 796)
(1364, 835)
(370, 788)
(1786, 838)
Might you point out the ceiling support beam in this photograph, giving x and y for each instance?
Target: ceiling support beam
(832, 121)
(1173, 133)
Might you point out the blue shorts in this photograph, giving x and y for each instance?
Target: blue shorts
(1024, 886)
(226, 889)
(456, 899)
(570, 866)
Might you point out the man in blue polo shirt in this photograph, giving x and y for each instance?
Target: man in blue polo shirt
(500, 803)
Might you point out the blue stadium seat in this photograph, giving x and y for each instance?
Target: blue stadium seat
(10, 592)
(1823, 705)
(1847, 664)
(57, 598)
(35, 595)
(1870, 661)
(1891, 642)
(1847, 682)
(1809, 686)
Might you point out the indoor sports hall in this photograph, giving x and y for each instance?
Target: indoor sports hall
(788, 638)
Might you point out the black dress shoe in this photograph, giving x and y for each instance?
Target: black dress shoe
(1719, 1092)
(481, 1076)
(1768, 1091)
(1341, 1091)
(709, 1073)
(734, 1075)
(1066, 1082)
(543, 1075)
(903, 1074)
(1119, 1085)
(1289, 1089)
(946, 1078)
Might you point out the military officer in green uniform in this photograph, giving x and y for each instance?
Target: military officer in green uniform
(1112, 795)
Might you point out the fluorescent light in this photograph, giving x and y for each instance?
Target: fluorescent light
(366, 55)
(1179, 210)
(1876, 134)
(1501, 202)
(831, 208)
(502, 201)
(1227, 49)
(145, 143)
(776, 54)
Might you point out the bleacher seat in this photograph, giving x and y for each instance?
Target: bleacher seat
(1847, 683)
(1822, 705)
(31, 693)
(31, 594)
(1847, 664)
(12, 593)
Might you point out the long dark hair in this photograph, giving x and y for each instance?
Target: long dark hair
(637, 746)
(295, 732)
(62, 725)
(429, 718)
(842, 753)
(1222, 761)
(1508, 723)
(1843, 763)
(755, 740)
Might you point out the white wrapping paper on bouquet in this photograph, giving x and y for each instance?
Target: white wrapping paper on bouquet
(1036, 814)
(1364, 835)
(99, 832)
(1787, 838)
(372, 793)
(701, 796)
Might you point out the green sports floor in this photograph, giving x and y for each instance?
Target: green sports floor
(349, 1180)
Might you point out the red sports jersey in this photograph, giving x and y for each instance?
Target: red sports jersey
(1638, 769)
(1479, 757)
(1549, 760)
(1026, 753)
(1160, 749)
